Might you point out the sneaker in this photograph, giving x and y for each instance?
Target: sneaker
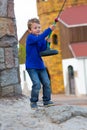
(48, 103)
(33, 105)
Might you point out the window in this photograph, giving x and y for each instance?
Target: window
(70, 70)
(55, 39)
(71, 79)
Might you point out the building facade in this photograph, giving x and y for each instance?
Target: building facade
(48, 10)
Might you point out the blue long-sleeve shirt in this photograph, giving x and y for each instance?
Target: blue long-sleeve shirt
(34, 45)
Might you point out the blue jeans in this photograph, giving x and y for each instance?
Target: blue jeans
(38, 77)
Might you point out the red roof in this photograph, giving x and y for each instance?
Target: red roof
(76, 15)
(79, 49)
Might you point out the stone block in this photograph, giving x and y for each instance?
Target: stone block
(7, 90)
(11, 90)
(3, 8)
(17, 89)
(9, 58)
(2, 66)
(7, 27)
(16, 62)
(9, 77)
(10, 9)
(8, 41)
(15, 50)
(1, 55)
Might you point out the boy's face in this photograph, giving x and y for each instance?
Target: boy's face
(35, 28)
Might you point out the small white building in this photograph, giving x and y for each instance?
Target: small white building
(73, 36)
(78, 83)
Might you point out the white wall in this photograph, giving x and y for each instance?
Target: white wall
(80, 73)
(27, 81)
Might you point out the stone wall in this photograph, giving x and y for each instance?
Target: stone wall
(9, 62)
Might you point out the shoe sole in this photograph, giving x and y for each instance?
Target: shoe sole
(49, 105)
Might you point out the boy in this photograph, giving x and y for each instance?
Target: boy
(35, 43)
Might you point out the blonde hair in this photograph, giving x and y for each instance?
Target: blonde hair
(33, 20)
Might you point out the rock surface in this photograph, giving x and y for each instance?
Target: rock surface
(16, 114)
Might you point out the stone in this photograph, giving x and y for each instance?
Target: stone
(60, 114)
(17, 89)
(9, 77)
(8, 41)
(1, 55)
(7, 90)
(9, 57)
(10, 9)
(2, 66)
(3, 8)
(7, 27)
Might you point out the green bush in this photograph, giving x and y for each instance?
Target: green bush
(22, 53)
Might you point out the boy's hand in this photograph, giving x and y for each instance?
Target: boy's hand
(52, 27)
(48, 39)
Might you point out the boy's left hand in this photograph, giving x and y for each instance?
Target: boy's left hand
(53, 26)
(48, 39)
